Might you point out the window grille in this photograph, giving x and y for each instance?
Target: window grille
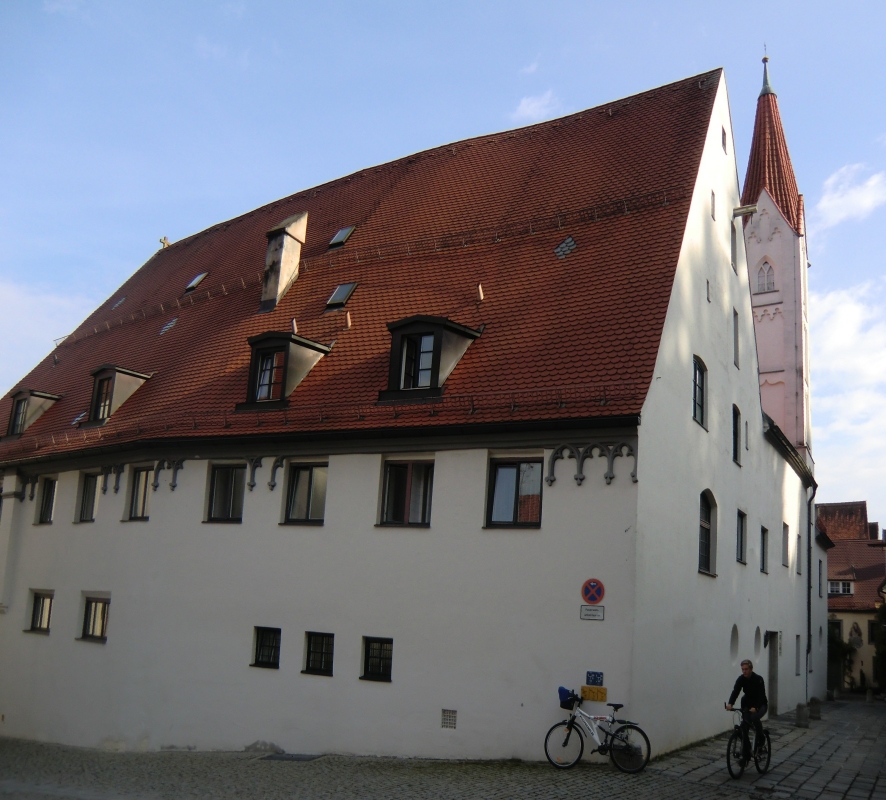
(515, 493)
(449, 718)
(407, 493)
(704, 535)
(226, 496)
(269, 380)
(87, 499)
(377, 659)
(95, 619)
(47, 500)
(267, 648)
(41, 612)
(19, 415)
(138, 501)
(699, 377)
(306, 498)
(320, 649)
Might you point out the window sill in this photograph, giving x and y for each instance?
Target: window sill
(316, 672)
(44, 523)
(504, 526)
(223, 521)
(93, 423)
(737, 463)
(708, 574)
(262, 405)
(376, 678)
(136, 519)
(93, 639)
(311, 522)
(766, 572)
(83, 521)
(741, 561)
(40, 631)
(262, 665)
(402, 524)
(700, 424)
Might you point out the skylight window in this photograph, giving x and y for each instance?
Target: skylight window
(341, 295)
(565, 247)
(119, 302)
(168, 325)
(342, 236)
(79, 417)
(196, 282)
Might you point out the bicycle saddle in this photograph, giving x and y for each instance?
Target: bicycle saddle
(616, 706)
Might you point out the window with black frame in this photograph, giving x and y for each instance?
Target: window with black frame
(417, 361)
(138, 499)
(267, 648)
(319, 651)
(736, 435)
(41, 612)
(407, 493)
(19, 415)
(88, 497)
(378, 655)
(270, 369)
(95, 618)
(101, 404)
(306, 498)
(227, 488)
(515, 494)
(47, 501)
(699, 378)
(705, 535)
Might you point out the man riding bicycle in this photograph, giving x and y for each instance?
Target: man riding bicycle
(753, 704)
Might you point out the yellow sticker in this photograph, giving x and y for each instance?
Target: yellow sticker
(596, 694)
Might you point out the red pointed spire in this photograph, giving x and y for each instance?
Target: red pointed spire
(769, 165)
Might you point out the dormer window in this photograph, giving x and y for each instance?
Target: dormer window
(280, 362)
(424, 351)
(27, 407)
(113, 386)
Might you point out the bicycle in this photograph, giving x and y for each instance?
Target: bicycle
(627, 745)
(735, 761)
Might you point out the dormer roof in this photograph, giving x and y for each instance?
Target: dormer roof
(769, 164)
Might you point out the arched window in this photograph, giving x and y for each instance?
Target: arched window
(707, 534)
(765, 278)
(699, 387)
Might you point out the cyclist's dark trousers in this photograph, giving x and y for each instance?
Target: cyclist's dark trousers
(747, 719)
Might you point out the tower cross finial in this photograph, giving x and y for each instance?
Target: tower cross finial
(767, 87)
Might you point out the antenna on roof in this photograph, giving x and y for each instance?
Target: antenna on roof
(164, 242)
(480, 294)
(294, 326)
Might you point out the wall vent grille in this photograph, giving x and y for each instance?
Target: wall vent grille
(449, 718)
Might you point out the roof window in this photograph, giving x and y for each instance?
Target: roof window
(341, 295)
(119, 302)
(196, 282)
(168, 325)
(342, 236)
(565, 247)
(79, 417)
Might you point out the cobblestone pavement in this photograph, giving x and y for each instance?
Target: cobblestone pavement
(842, 756)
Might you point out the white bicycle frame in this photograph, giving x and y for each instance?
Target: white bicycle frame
(590, 723)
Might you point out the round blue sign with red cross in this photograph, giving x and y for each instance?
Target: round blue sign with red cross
(592, 591)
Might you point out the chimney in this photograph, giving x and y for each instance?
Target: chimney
(282, 259)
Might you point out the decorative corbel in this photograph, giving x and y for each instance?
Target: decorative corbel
(556, 456)
(106, 471)
(161, 464)
(254, 464)
(32, 481)
(176, 465)
(278, 462)
(118, 470)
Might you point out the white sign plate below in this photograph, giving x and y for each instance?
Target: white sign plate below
(592, 612)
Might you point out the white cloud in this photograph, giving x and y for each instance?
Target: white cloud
(207, 49)
(846, 197)
(528, 70)
(32, 317)
(538, 107)
(849, 395)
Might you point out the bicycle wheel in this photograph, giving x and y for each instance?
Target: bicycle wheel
(629, 748)
(734, 755)
(564, 747)
(764, 754)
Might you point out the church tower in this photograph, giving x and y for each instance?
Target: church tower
(775, 238)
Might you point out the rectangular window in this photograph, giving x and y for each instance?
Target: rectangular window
(101, 408)
(47, 501)
(785, 545)
(417, 361)
(318, 658)
(713, 206)
(515, 494)
(819, 577)
(306, 499)
(839, 587)
(269, 378)
(741, 530)
(698, 391)
(799, 554)
(377, 659)
(87, 498)
(733, 246)
(41, 612)
(724, 138)
(735, 337)
(736, 435)
(19, 415)
(95, 620)
(138, 501)
(407, 493)
(798, 656)
(764, 550)
(704, 536)
(267, 648)
(872, 631)
(226, 493)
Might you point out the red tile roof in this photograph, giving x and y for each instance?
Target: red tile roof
(564, 339)
(843, 520)
(769, 164)
(863, 562)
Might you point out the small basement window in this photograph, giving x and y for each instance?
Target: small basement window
(342, 236)
(195, 282)
(341, 295)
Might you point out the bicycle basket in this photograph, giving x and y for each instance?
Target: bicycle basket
(567, 699)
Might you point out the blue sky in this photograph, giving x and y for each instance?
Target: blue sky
(123, 122)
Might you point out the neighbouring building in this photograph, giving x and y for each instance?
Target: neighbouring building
(856, 579)
(414, 447)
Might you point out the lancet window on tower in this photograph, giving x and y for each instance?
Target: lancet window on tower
(765, 278)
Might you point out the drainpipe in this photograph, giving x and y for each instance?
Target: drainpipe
(809, 507)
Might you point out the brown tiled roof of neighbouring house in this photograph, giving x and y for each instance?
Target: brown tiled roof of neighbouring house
(863, 563)
(571, 338)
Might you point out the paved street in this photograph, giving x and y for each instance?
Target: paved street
(842, 756)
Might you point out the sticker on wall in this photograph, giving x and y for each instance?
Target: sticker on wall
(592, 612)
(592, 591)
(594, 678)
